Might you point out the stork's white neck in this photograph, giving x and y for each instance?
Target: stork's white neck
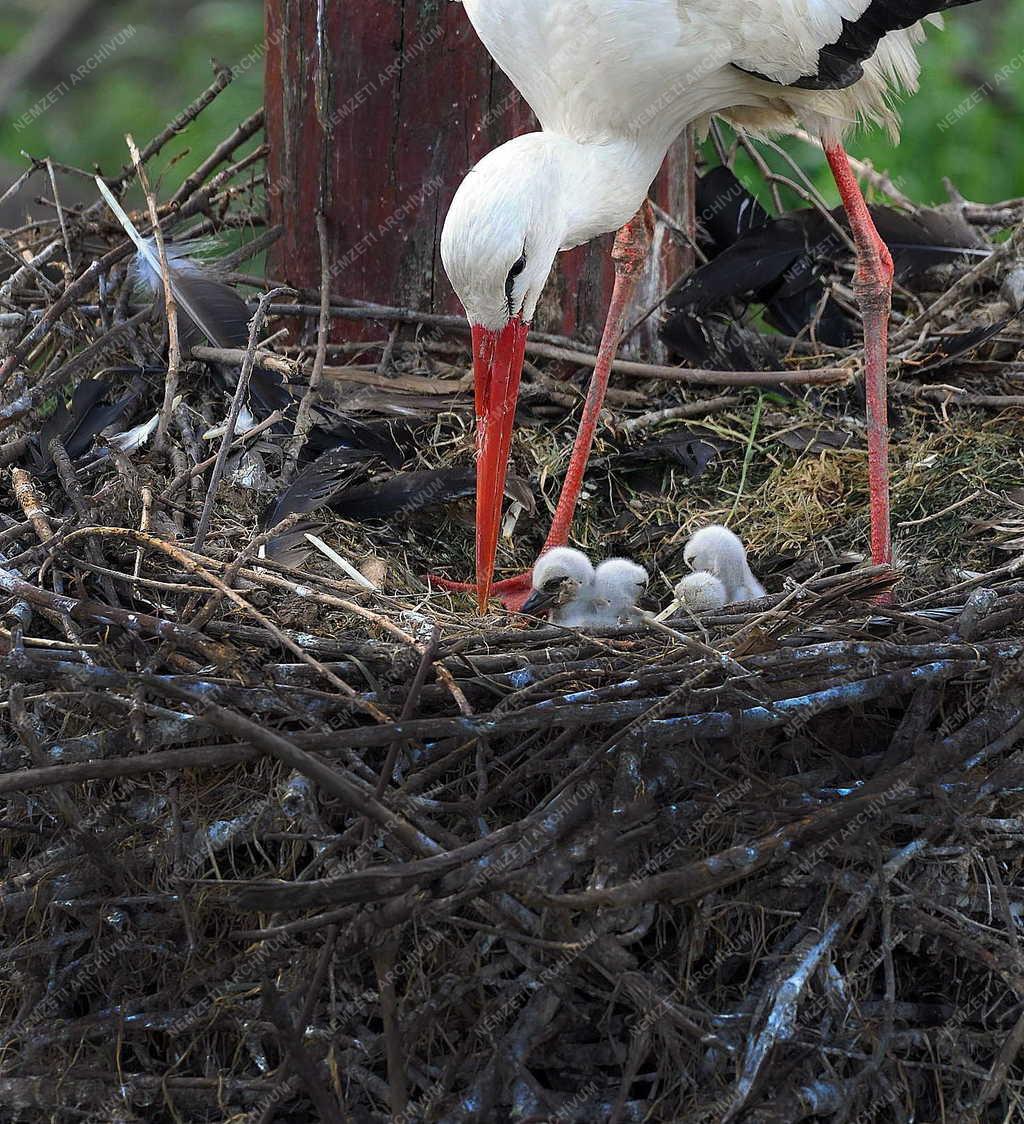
(603, 185)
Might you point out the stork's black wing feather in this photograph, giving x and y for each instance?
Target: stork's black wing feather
(727, 213)
(387, 439)
(781, 258)
(779, 263)
(952, 347)
(224, 313)
(840, 64)
(405, 493)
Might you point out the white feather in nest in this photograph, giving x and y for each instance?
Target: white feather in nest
(206, 305)
(131, 440)
(243, 423)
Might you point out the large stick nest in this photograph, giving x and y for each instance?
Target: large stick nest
(280, 846)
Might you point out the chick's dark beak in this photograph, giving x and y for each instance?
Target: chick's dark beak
(539, 600)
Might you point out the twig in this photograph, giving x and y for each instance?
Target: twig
(311, 1072)
(255, 325)
(303, 417)
(818, 376)
(195, 567)
(60, 214)
(170, 306)
(701, 409)
(29, 502)
(788, 992)
(200, 467)
(142, 624)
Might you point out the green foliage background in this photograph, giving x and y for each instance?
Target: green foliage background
(165, 64)
(138, 88)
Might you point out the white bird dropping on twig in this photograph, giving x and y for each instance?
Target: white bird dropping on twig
(701, 592)
(717, 551)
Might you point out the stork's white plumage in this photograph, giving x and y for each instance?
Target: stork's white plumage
(613, 82)
(700, 592)
(563, 586)
(618, 584)
(717, 550)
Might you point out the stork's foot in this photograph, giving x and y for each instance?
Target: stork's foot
(511, 592)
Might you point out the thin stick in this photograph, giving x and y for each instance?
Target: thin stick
(194, 567)
(815, 377)
(303, 417)
(342, 563)
(202, 466)
(701, 409)
(236, 408)
(60, 215)
(170, 307)
(28, 500)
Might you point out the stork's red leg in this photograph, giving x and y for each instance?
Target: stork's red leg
(632, 245)
(873, 289)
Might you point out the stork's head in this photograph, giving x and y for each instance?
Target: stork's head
(620, 582)
(716, 550)
(558, 578)
(701, 591)
(500, 238)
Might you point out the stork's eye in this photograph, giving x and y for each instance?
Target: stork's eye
(510, 280)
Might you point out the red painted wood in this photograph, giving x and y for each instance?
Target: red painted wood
(408, 101)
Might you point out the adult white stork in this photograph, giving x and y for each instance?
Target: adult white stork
(613, 82)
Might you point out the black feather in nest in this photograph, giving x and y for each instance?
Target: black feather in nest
(318, 483)
(948, 348)
(726, 211)
(729, 216)
(717, 341)
(692, 452)
(210, 309)
(207, 307)
(391, 440)
(329, 481)
(409, 492)
(779, 263)
(78, 423)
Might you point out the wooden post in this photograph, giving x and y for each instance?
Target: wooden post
(375, 112)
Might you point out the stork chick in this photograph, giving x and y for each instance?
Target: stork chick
(717, 551)
(563, 586)
(618, 583)
(701, 592)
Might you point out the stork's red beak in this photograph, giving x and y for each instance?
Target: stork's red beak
(497, 369)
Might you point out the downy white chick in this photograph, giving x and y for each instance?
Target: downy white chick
(700, 592)
(618, 583)
(717, 551)
(563, 585)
